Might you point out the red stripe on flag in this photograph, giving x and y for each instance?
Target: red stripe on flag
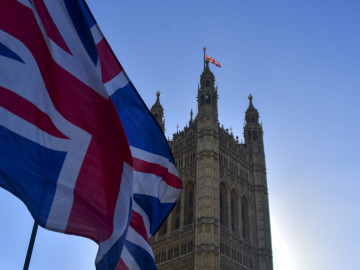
(99, 180)
(147, 167)
(50, 27)
(137, 223)
(212, 60)
(110, 67)
(28, 111)
(121, 265)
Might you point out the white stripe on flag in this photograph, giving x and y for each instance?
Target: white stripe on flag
(145, 218)
(153, 158)
(118, 82)
(138, 240)
(26, 3)
(129, 260)
(31, 132)
(96, 33)
(153, 185)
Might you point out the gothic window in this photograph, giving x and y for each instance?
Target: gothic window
(233, 254)
(234, 212)
(163, 256)
(223, 205)
(176, 252)
(245, 218)
(255, 135)
(207, 99)
(202, 99)
(189, 204)
(245, 260)
(170, 254)
(175, 219)
(249, 135)
(207, 83)
(227, 251)
(253, 119)
(190, 246)
(183, 249)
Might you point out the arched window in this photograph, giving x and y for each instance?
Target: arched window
(223, 205)
(189, 204)
(234, 212)
(202, 99)
(255, 135)
(249, 135)
(207, 99)
(175, 218)
(245, 218)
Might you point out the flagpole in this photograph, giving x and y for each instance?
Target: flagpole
(204, 56)
(31, 246)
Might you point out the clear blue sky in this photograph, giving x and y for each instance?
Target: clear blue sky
(300, 59)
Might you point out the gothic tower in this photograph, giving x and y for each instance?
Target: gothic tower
(222, 219)
(158, 112)
(207, 233)
(253, 134)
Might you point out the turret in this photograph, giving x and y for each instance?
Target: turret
(207, 96)
(253, 134)
(253, 131)
(158, 112)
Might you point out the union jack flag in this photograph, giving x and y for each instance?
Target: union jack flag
(77, 144)
(212, 60)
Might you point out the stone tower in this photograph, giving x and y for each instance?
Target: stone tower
(207, 233)
(222, 219)
(158, 112)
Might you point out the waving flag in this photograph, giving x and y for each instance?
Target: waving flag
(212, 60)
(77, 144)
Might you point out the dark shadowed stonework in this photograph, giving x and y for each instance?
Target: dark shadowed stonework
(222, 220)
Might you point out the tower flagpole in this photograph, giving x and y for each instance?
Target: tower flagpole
(204, 56)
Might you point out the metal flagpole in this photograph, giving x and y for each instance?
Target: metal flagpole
(204, 56)
(31, 246)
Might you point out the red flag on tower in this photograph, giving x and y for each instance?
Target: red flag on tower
(212, 60)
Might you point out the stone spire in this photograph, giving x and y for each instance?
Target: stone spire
(158, 112)
(253, 131)
(252, 114)
(207, 96)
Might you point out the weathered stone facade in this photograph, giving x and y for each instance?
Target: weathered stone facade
(222, 219)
